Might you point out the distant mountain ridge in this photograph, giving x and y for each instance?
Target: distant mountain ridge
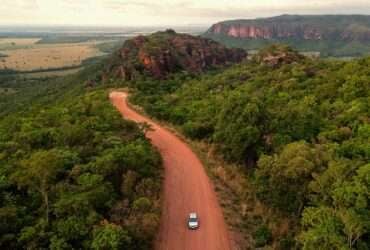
(298, 27)
(329, 34)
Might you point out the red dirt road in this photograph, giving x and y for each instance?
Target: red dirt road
(187, 188)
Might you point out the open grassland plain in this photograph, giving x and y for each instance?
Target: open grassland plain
(50, 56)
(17, 43)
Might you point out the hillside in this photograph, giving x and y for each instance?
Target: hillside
(332, 35)
(73, 174)
(163, 53)
(284, 137)
(290, 136)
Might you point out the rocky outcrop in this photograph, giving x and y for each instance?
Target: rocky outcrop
(163, 53)
(277, 55)
(345, 28)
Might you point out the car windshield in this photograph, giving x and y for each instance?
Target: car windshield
(192, 219)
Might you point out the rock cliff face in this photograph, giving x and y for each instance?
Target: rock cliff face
(163, 53)
(344, 28)
(268, 32)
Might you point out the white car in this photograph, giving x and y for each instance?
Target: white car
(193, 221)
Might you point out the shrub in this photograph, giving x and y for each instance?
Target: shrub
(262, 236)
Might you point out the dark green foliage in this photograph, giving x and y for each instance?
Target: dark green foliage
(287, 243)
(35, 93)
(282, 180)
(62, 169)
(235, 138)
(110, 47)
(110, 237)
(302, 124)
(262, 236)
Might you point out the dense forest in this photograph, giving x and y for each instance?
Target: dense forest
(73, 173)
(299, 130)
(294, 131)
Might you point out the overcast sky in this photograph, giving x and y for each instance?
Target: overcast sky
(163, 12)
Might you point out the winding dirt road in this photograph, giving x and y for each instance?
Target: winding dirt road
(187, 188)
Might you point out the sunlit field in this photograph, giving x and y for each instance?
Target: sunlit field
(50, 56)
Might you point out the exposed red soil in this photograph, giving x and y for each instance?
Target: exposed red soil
(187, 188)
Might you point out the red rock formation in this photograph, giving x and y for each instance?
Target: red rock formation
(163, 53)
(345, 28)
(255, 32)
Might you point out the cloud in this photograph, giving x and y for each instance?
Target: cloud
(161, 12)
(116, 5)
(150, 7)
(20, 5)
(203, 9)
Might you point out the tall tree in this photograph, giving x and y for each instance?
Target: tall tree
(42, 170)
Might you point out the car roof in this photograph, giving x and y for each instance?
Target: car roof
(193, 215)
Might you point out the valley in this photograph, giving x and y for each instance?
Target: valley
(110, 137)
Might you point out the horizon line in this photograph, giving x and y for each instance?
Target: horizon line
(50, 25)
